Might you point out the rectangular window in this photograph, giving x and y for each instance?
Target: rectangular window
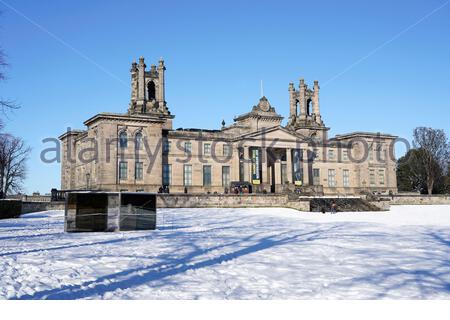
(346, 178)
(123, 170)
(187, 147)
(316, 154)
(166, 146)
(382, 155)
(187, 175)
(372, 177)
(206, 176)
(167, 174)
(226, 150)
(316, 177)
(331, 178)
(139, 170)
(207, 149)
(345, 154)
(123, 140)
(330, 154)
(138, 141)
(381, 177)
(225, 176)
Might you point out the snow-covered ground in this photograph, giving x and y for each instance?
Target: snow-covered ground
(233, 254)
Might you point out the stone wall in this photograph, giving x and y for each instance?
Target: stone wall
(28, 207)
(250, 201)
(419, 199)
(230, 201)
(381, 205)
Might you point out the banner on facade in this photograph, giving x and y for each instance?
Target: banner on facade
(298, 179)
(256, 166)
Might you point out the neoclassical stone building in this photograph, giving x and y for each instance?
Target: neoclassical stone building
(140, 151)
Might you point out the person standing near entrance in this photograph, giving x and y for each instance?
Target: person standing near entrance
(333, 207)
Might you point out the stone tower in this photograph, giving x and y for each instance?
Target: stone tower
(304, 115)
(147, 90)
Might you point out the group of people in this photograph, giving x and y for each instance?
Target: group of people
(240, 190)
(333, 208)
(163, 189)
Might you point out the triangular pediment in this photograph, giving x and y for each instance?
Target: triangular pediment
(271, 134)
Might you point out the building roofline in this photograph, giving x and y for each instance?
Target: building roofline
(71, 132)
(122, 116)
(363, 134)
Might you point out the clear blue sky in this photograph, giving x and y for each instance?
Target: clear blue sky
(216, 54)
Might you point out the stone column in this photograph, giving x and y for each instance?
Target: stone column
(289, 165)
(264, 178)
(305, 167)
(235, 166)
(292, 102)
(277, 175)
(161, 93)
(247, 164)
(134, 82)
(302, 99)
(316, 107)
(141, 79)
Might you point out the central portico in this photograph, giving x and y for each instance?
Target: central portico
(272, 159)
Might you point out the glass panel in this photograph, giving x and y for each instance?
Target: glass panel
(206, 175)
(226, 150)
(139, 170)
(167, 174)
(187, 147)
(207, 149)
(166, 146)
(225, 176)
(372, 177)
(381, 177)
(316, 177)
(123, 140)
(345, 154)
(187, 175)
(123, 168)
(331, 178)
(138, 141)
(346, 178)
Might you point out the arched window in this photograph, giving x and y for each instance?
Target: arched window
(138, 141)
(151, 90)
(308, 107)
(123, 140)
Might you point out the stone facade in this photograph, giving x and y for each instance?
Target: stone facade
(140, 150)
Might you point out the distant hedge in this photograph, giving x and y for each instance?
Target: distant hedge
(10, 209)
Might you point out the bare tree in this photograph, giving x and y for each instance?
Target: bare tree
(435, 155)
(13, 156)
(5, 104)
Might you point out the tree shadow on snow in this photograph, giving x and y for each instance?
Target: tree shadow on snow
(419, 275)
(169, 266)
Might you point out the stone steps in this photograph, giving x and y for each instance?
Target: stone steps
(343, 204)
